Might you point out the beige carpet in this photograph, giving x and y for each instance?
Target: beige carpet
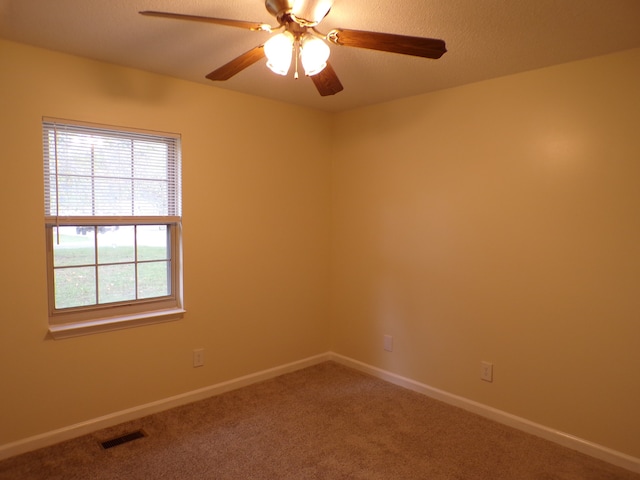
(323, 422)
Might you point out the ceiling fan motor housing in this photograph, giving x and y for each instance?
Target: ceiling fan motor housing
(304, 12)
(277, 7)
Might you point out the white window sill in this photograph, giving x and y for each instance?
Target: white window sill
(90, 327)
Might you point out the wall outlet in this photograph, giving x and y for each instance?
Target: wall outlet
(198, 357)
(388, 343)
(486, 371)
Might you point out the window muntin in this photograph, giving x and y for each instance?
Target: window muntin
(112, 217)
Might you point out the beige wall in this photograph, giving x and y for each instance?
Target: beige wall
(496, 221)
(256, 242)
(500, 221)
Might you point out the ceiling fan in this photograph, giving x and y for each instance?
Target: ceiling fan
(299, 38)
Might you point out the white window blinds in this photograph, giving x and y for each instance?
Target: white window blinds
(93, 171)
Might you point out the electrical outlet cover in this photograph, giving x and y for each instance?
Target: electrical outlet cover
(198, 357)
(388, 343)
(486, 371)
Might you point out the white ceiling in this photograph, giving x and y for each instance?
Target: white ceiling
(485, 39)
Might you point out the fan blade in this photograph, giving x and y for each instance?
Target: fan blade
(311, 10)
(327, 82)
(238, 64)
(219, 21)
(388, 42)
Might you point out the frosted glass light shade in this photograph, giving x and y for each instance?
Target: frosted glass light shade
(314, 53)
(279, 50)
(311, 10)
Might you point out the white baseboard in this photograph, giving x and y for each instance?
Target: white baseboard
(50, 438)
(592, 449)
(83, 428)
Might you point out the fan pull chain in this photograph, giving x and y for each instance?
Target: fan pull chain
(296, 52)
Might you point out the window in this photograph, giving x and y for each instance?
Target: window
(113, 227)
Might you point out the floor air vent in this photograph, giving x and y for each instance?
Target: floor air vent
(114, 442)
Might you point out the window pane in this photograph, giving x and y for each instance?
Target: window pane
(113, 196)
(151, 197)
(116, 283)
(146, 164)
(153, 242)
(74, 246)
(154, 279)
(112, 157)
(75, 287)
(73, 150)
(116, 244)
(75, 196)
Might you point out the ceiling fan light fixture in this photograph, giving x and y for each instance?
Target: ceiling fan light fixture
(314, 53)
(279, 50)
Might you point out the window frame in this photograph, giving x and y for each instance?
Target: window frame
(83, 320)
